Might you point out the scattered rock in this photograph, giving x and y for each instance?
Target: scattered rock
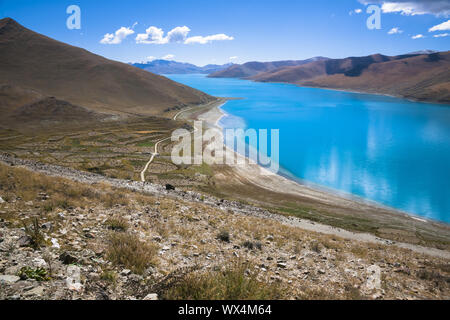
(39, 263)
(9, 279)
(38, 291)
(374, 278)
(151, 296)
(24, 241)
(1, 200)
(47, 226)
(55, 243)
(73, 278)
(125, 272)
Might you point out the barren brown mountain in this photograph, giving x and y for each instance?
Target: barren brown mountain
(36, 71)
(424, 77)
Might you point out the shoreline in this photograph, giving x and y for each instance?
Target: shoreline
(390, 95)
(283, 183)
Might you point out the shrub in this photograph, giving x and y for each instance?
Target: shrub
(224, 236)
(315, 246)
(127, 250)
(252, 245)
(33, 231)
(117, 224)
(38, 274)
(109, 276)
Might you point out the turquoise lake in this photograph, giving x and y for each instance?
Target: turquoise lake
(384, 149)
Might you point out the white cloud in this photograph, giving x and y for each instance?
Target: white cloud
(152, 35)
(357, 11)
(208, 39)
(151, 58)
(155, 35)
(178, 34)
(168, 57)
(413, 7)
(117, 37)
(441, 27)
(418, 36)
(233, 58)
(395, 30)
(441, 35)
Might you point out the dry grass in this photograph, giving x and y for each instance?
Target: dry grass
(127, 250)
(34, 232)
(117, 224)
(236, 282)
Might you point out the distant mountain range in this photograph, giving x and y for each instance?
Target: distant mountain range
(41, 78)
(173, 67)
(423, 76)
(253, 68)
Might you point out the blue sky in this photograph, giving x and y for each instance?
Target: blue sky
(246, 30)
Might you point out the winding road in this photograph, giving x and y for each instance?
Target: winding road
(155, 153)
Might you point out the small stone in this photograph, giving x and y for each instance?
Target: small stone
(1, 200)
(157, 239)
(282, 265)
(125, 272)
(321, 271)
(73, 278)
(39, 263)
(55, 243)
(38, 291)
(47, 226)
(24, 241)
(151, 296)
(89, 235)
(9, 279)
(270, 238)
(293, 257)
(373, 281)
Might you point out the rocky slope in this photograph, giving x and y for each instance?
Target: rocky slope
(96, 241)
